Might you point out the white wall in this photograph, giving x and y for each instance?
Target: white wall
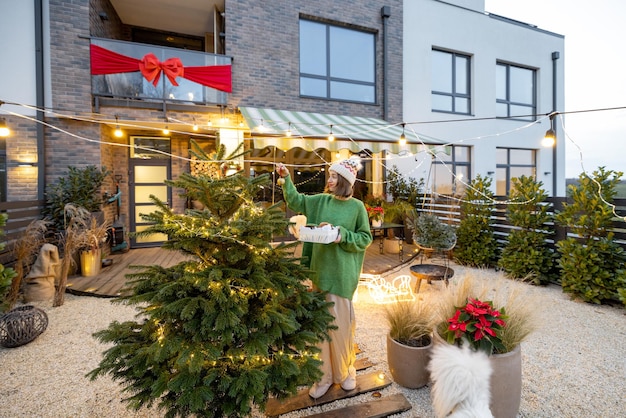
(17, 44)
(433, 23)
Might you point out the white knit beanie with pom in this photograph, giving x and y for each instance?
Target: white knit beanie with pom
(348, 169)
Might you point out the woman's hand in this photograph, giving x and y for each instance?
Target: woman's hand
(338, 240)
(282, 170)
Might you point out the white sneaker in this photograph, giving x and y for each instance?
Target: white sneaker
(350, 382)
(318, 390)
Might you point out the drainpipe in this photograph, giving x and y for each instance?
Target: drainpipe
(39, 83)
(555, 57)
(385, 13)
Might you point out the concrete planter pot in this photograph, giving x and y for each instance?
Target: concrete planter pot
(506, 383)
(408, 365)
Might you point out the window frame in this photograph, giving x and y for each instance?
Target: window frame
(453, 93)
(508, 165)
(328, 78)
(532, 115)
(453, 166)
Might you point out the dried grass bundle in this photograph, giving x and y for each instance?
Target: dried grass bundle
(24, 253)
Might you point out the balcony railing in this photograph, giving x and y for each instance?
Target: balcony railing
(135, 86)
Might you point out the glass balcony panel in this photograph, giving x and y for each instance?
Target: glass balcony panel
(135, 86)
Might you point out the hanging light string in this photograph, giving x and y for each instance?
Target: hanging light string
(97, 118)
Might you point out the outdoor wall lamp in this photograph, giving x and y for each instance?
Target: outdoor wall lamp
(4, 129)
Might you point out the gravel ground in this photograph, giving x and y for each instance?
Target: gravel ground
(573, 366)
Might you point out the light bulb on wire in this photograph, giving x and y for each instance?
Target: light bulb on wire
(331, 137)
(402, 139)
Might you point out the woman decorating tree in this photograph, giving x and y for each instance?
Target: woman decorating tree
(337, 265)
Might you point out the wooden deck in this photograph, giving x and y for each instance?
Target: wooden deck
(112, 279)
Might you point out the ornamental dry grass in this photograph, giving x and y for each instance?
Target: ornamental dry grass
(518, 298)
(410, 322)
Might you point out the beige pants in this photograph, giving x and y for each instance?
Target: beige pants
(338, 353)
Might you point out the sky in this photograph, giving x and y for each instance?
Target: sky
(595, 74)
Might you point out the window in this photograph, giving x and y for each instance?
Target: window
(451, 82)
(337, 63)
(515, 92)
(452, 172)
(512, 163)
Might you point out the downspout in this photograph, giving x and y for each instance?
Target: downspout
(385, 13)
(555, 57)
(39, 83)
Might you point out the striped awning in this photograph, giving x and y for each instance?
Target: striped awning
(286, 129)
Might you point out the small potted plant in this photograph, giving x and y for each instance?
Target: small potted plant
(376, 215)
(409, 341)
(430, 234)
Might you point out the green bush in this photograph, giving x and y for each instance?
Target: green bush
(6, 274)
(526, 253)
(80, 187)
(592, 265)
(476, 244)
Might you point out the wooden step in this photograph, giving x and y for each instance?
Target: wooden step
(371, 381)
(378, 408)
(362, 364)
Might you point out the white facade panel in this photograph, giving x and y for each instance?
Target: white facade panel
(17, 43)
(487, 40)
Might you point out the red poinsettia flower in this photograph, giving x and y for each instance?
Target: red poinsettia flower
(479, 324)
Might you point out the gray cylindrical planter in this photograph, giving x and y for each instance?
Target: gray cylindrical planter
(506, 383)
(408, 365)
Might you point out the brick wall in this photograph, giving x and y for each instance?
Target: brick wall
(21, 147)
(262, 37)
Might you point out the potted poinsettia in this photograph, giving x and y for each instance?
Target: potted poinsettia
(494, 316)
(376, 215)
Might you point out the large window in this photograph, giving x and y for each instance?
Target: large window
(337, 63)
(452, 172)
(515, 92)
(512, 163)
(451, 82)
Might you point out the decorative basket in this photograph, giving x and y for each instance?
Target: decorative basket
(22, 325)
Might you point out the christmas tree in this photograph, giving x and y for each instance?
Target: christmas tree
(228, 328)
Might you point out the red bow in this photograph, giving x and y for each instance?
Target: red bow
(151, 68)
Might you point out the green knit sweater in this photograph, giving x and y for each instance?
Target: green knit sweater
(338, 266)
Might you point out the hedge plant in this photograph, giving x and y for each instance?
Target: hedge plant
(476, 244)
(592, 264)
(526, 254)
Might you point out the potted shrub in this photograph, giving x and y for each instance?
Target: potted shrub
(430, 234)
(409, 341)
(494, 316)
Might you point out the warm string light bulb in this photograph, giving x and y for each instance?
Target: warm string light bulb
(402, 139)
(288, 133)
(331, 137)
(166, 130)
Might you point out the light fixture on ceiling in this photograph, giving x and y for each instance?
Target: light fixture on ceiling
(288, 133)
(118, 131)
(331, 137)
(402, 140)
